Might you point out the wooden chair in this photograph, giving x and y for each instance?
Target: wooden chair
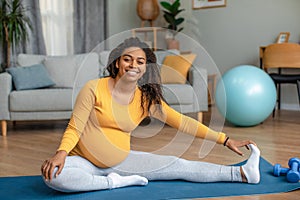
(279, 56)
(298, 86)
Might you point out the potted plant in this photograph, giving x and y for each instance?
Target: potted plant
(13, 26)
(171, 11)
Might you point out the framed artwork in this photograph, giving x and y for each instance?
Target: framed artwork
(201, 4)
(283, 37)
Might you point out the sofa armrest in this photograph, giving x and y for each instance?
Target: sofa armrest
(197, 77)
(6, 88)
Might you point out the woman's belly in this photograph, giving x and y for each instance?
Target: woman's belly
(103, 150)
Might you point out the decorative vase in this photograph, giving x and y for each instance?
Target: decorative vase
(172, 44)
(147, 10)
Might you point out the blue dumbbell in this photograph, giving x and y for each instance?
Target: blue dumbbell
(278, 170)
(293, 175)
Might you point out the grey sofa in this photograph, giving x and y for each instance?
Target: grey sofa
(70, 73)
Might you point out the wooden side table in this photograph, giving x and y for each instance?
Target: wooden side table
(211, 88)
(261, 55)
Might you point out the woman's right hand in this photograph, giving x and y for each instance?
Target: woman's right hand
(58, 160)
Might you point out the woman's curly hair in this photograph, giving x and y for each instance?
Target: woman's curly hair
(150, 82)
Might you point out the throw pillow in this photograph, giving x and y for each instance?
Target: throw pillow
(30, 77)
(62, 70)
(175, 68)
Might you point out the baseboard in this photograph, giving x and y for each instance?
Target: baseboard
(285, 106)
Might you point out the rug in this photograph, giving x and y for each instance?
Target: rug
(33, 187)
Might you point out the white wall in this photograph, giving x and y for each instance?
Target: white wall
(231, 35)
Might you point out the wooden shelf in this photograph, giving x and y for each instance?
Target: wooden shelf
(146, 30)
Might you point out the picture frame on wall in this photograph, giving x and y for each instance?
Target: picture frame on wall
(202, 4)
(283, 37)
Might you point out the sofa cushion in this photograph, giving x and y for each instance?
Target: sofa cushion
(86, 67)
(62, 70)
(175, 68)
(178, 93)
(50, 99)
(161, 55)
(103, 60)
(103, 57)
(29, 59)
(30, 77)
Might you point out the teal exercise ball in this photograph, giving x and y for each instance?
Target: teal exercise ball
(245, 95)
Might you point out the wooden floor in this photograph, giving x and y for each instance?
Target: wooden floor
(28, 144)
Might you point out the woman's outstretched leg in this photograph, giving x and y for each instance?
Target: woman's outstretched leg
(80, 175)
(159, 167)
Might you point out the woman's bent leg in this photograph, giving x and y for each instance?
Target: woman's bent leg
(80, 175)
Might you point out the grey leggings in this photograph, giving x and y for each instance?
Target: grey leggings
(79, 174)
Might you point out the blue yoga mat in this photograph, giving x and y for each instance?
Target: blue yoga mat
(32, 187)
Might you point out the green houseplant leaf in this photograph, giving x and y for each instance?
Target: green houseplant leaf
(170, 15)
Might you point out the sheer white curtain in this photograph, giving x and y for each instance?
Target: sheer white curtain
(57, 22)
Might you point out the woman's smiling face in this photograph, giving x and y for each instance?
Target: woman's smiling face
(132, 64)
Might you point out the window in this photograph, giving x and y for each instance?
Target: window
(57, 23)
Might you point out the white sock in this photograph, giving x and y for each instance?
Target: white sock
(122, 181)
(251, 168)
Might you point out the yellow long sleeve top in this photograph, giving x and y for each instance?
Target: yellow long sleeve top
(99, 128)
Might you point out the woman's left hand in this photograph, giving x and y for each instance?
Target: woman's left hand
(234, 145)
